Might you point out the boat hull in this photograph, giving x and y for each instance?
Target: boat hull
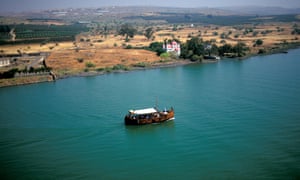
(150, 118)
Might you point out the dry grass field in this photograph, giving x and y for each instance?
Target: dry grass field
(72, 57)
(72, 61)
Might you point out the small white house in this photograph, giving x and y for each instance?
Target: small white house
(4, 62)
(172, 47)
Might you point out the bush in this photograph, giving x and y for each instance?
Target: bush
(128, 47)
(255, 33)
(80, 60)
(140, 64)
(120, 67)
(261, 51)
(108, 69)
(165, 55)
(296, 31)
(196, 58)
(223, 36)
(156, 47)
(259, 42)
(89, 64)
(223, 41)
(100, 69)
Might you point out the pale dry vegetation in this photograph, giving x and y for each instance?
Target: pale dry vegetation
(104, 52)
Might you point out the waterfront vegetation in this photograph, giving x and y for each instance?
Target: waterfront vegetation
(132, 42)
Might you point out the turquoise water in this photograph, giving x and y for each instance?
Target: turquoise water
(234, 120)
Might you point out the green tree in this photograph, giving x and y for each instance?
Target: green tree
(196, 45)
(259, 42)
(128, 31)
(226, 48)
(214, 50)
(149, 33)
(196, 58)
(157, 47)
(223, 36)
(215, 33)
(105, 31)
(240, 48)
(89, 65)
(296, 31)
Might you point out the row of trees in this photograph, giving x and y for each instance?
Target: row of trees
(29, 33)
(129, 31)
(196, 49)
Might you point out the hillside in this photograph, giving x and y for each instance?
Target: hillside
(92, 43)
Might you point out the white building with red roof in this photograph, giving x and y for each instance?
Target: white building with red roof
(172, 47)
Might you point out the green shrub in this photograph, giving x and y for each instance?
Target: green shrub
(100, 69)
(89, 65)
(165, 55)
(120, 67)
(254, 33)
(223, 41)
(261, 51)
(223, 36)
(157, 47)
(259, 42)
(108, 69)
(128, 47)
(140, 64)
(196, 58)
(80, 60)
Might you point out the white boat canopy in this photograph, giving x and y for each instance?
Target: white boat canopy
(143, 111)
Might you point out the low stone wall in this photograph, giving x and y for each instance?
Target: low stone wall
(26, 80)
(26, 74)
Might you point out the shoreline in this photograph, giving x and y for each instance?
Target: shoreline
(183, 62)
(157, 65)
(283, 49)
(173, 63)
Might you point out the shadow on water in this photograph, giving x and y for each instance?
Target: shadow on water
(149, 128)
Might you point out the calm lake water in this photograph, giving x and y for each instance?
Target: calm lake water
(234, 120)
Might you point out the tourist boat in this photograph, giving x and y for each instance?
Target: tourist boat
(148, 116)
